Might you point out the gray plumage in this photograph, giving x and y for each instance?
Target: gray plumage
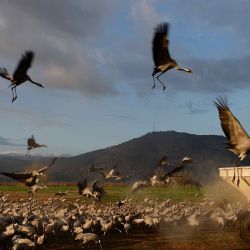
(238, 139)
(161, 56)
(20, 74)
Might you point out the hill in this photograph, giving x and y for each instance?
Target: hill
(137, 157)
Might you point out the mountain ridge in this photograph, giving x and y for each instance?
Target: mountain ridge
(138, 157)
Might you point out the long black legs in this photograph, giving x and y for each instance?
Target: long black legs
(154, 81)
(238, 180)
(233, 180)
(164, 87)
(153, 75)
(236, 165)
(14, 95)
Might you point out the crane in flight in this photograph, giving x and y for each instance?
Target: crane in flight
(112, 174)
(161, 56)
(20, 74)
(32, 144)
(162, 161)
(91, 189)
(30, 178)
(238, 139)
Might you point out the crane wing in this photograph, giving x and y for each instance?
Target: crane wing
(18, 176)
(231, 127)
(5, 74)
(98, 188)
(98, 170)
(23, 65)
(187, 160)
(82, 185)
(31, 142)
(116, 173)
(93, 183)
(162, 161)
(160, 44)
(42, 170)
(53, 161)
(171, 172)
(175, 170)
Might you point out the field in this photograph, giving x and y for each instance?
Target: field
(175, 237)
(217, 191)
(115, 193)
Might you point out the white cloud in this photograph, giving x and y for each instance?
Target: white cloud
(144, 12)
(62, 36)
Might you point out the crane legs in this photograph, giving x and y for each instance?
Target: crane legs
(14, 95)
(164, 87)
(154, 81)
(236, 166)
(238, 180)
(156, 70)
(28, 153)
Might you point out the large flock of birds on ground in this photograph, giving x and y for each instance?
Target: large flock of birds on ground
(38, 223)
(26, 224)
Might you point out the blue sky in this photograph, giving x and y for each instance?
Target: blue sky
(94, 59)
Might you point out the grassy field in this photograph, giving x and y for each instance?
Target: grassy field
(217, 191)
(115, 193)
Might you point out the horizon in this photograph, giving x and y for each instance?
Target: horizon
(105, 147)
(97, 69)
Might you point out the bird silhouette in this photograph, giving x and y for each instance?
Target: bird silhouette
(31, 178)
(91, 189)
(161, 56)
(162, 161)
(28, 178)
(32, 144)
(238, 139)
(20, 75)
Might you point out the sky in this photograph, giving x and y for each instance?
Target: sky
(94, 59)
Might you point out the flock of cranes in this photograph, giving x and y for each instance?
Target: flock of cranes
(161, 56)
(238, 143)
(40, 224)
(94, 188)
(238, 139)
(31, 178)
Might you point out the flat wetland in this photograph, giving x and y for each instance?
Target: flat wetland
(203, 237)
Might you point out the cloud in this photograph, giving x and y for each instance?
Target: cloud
(193, 109)
(225, 15)
(63, 35)
(213, 76)
(126, 117)
(144, 13)
(80, 45)
(36, 119)
(11, 142)
(213, 20)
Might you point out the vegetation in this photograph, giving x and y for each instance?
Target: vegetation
(115, 193)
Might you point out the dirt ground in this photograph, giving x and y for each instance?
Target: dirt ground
(170, 238)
